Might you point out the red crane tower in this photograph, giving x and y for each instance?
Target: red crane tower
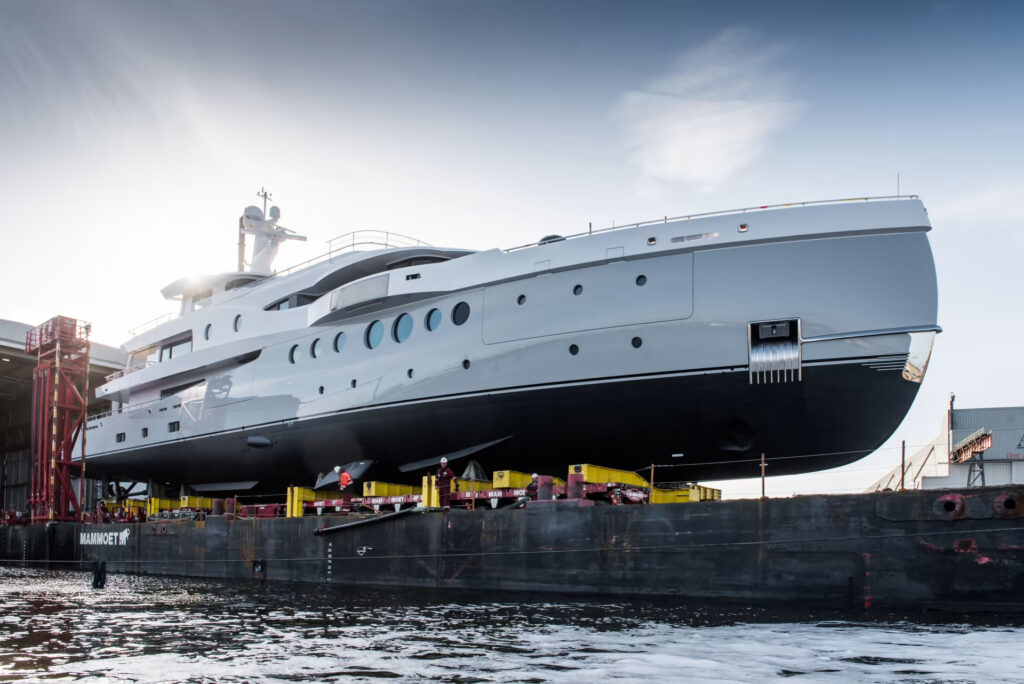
(60, 389)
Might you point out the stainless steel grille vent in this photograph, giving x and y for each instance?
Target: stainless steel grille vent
(774, 352)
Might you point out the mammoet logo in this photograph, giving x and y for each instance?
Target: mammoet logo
(104, 538)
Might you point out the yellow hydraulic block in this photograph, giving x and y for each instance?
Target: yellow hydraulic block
(196, 502)
(387, 489)
(431, 499)
(297, 496)
(155, 505)
(513, 479)
(691, 493)
(596, 474)
(510, 479)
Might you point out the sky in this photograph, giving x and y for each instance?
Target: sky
(134, 133)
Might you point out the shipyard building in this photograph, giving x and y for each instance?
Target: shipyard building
(16, 368)
(975, 447)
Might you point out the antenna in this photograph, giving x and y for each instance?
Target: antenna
(267, 196)
(897, 187)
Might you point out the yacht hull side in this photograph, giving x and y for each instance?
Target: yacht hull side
(717, 420)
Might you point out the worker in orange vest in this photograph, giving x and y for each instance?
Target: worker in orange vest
(344, 479)
(443, 480)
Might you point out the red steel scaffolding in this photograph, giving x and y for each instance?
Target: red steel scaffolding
(60, 389)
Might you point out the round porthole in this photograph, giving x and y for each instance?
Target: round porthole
(314, 349)
(293, 353)
(409, 373)
(574, 349)
(460, 314)
(520, 300)
(374, 334)
(353, 382)
(402, 328)
(321, 389)
(637, 343)
(433, 319)
(578, 290)
(339, 342)
(208, 331)
(237, 325)
(641, 280)
(465, 364)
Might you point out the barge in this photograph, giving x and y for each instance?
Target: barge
(953, 550)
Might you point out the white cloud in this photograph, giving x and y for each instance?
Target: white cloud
(1000, 202)
(710, 116)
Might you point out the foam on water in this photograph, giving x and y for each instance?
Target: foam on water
(53, 625)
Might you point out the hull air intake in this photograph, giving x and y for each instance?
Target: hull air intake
(774, 352)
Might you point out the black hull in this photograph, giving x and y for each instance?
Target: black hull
(721, 424)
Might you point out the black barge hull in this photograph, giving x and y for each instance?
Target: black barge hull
(957, 550)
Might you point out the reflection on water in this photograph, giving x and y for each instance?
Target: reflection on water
(53, 625)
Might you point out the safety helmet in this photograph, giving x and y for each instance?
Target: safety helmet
(444, 460)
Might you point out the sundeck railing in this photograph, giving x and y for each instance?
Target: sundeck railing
(126, 371)
(348, 242)
(149, 325)
(744, 210)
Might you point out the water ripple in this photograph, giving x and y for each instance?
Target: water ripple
(54, 626)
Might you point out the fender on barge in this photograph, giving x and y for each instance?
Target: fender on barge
(959, 550)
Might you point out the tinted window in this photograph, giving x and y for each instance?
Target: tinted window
(402, 328)
(374, 334)
(433, 320)
(460, 314)
(209, 329)
(175, 349)
(292, 353)
(238, 322)
(314, 349)
(339, 342)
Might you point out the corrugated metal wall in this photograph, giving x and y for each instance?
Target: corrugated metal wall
(17, 480)
(1006, 425)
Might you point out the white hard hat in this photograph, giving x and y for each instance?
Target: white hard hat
(444, 460)
(337, 469)
(535, 476)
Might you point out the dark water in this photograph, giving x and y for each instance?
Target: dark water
(54, 626)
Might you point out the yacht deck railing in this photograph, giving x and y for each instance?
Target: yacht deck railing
(726, 212)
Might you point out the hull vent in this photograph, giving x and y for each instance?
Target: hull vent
(774, 352)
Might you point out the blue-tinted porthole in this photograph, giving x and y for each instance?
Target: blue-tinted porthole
(208, 331)
(314, 349)
(293, 353)
(460, 314)
(339, 342)
(402, 328)
(433, 319)
(374, 334)
(237, 325)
